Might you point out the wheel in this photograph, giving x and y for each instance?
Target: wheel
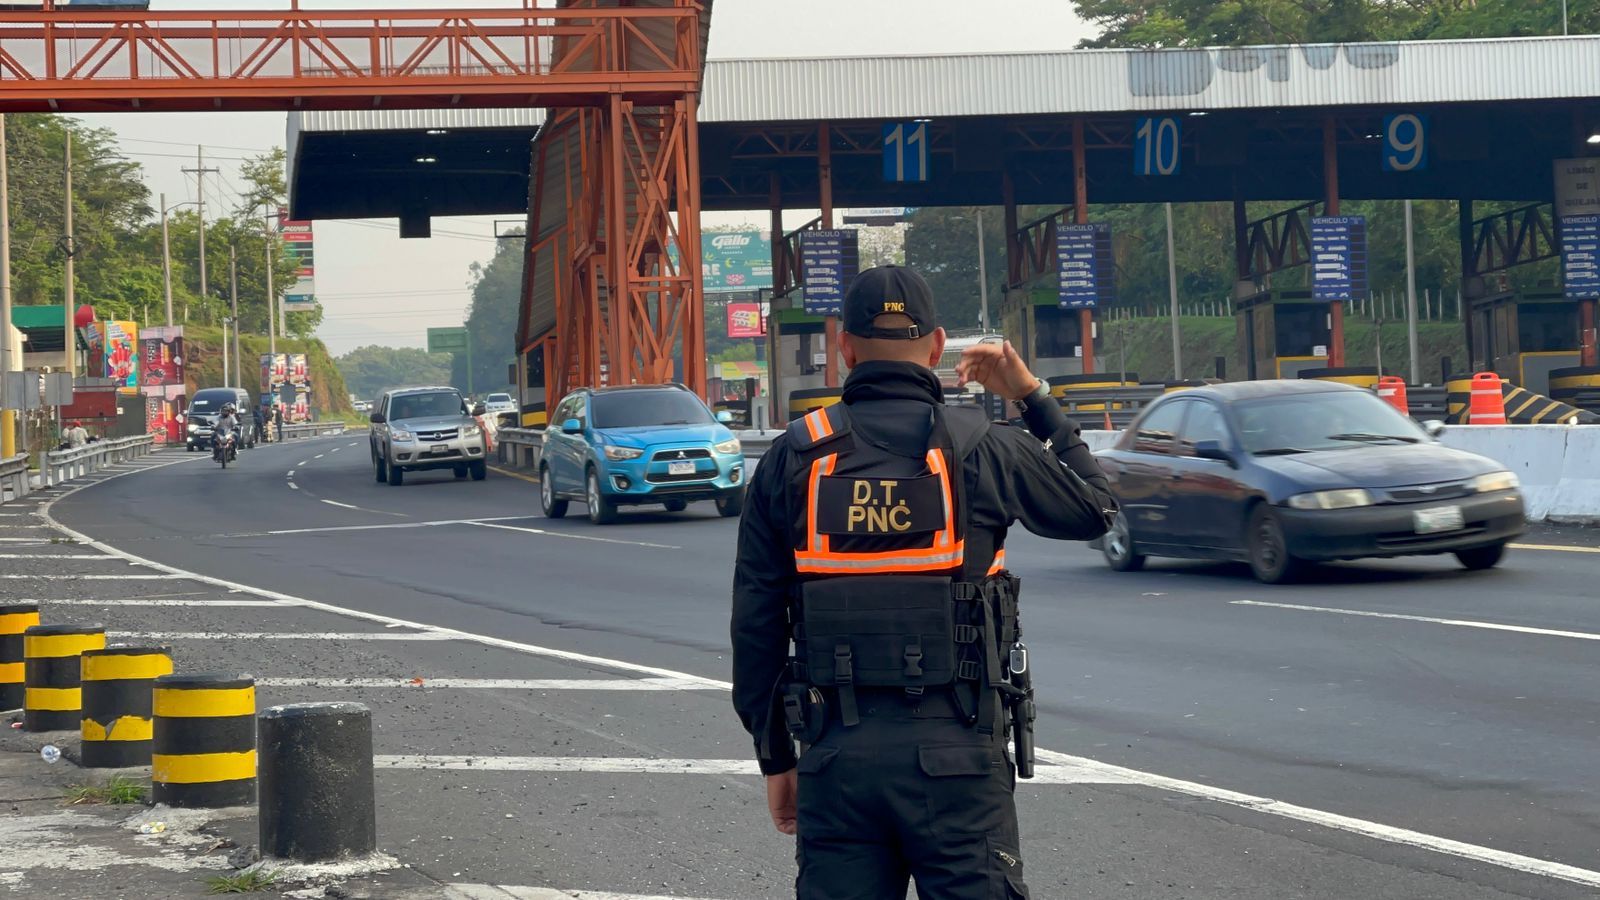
(397, 476)
(1269, 550)
(676, 505)
(601, 510)
(460, 471)
(480, 470)
(188, 448)
(223, 457)
(379, 469)
(1479, 558)
(1117, 546)
(730, 505)
(553, 508)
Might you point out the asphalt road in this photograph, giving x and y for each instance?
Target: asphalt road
(1393, 695)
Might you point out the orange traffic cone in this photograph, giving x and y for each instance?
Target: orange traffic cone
(1108, 421)
(1392, 388)
(1488, 404)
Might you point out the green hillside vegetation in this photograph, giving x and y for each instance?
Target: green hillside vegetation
(203, 348)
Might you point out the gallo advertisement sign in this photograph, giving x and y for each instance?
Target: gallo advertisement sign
(747, 320)
(734, 261)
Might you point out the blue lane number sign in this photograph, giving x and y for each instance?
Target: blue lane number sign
(905, 151)
(1405, 143)
(1155, 147)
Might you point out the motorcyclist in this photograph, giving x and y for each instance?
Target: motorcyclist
(227, 424)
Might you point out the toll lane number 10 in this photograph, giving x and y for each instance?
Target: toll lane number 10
(1155, 147)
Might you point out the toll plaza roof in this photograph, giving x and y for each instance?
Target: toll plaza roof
(1250, 125)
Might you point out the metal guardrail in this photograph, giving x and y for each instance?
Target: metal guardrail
(520, 447)
(14, 478)
(311, 429)
(64, 465)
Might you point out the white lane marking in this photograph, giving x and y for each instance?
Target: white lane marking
(284, 636)
(1373, 830)
(1462, 623)
(141, 601)
(1514, 861)
(432, 524)
(498, 684)
(54, 556)
(304, 464)
(343, 505)
(1561, 548)
(576, 537)
(161, 577)
(524, 892)
(1045, 774)
(290, 474)
(319, 456)
(334, 450)
(293, 486)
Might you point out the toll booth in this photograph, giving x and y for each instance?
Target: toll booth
(1281, 333)
(1522, 336)
(797, 355)
(1049, 337)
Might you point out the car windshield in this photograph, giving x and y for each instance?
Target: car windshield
(204, 404)
(499, 398)
(638, 409)
(422, 406)
(1322, 421)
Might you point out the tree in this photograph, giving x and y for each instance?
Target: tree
(369, 371)
(492, 320)
(942, 244)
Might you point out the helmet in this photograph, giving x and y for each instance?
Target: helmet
(228, 408)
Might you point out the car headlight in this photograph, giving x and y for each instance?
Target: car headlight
(193, 427)
(399, 434)
(1495, 481)
(470, 431)
(727, 448)
(1341, 499)
(620, 453)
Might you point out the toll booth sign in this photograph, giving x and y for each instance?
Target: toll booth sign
(1085, 266)
(1338, 257)
(1580, 256)
(828, 262)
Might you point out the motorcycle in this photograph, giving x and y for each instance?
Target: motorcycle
(225, 448)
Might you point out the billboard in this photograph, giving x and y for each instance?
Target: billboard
(747, 320)
(298, 245)
(299, 371)
(274, 371)
(161, 356)
(733, 261)
(114, 354)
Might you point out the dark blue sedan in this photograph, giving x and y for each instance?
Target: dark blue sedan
(1282, 473)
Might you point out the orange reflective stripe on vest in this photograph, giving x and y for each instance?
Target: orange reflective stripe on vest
(818, 557)
(999, 563)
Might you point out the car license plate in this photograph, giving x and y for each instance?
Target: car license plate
(680, 468)
(1442, 518)
(439, 449)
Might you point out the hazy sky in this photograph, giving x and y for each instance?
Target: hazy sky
(377, 289)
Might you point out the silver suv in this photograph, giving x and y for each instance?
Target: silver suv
(420, 428)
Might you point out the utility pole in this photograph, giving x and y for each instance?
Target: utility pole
(166, 260)
(1172, 289)
(200, 171)
(233, 304)
(227, 379)
(1411, 300)
(272, 295)
(7, 364)
(983, 278)
(70, 303)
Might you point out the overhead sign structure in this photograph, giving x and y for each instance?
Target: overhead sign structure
(828, 261)
(747, 320)
(447, 340)
(1084, 266)
(1338, 257)
(905, 151)
(298, 245)
(1405, 142)
(1580, 256)
(876, 215)
(1156, 145)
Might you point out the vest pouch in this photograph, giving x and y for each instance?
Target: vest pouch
(884, 631)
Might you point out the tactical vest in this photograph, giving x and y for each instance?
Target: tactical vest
(889, 596)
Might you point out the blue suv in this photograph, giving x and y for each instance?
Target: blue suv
(628, 446)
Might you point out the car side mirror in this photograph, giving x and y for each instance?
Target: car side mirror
(377, 419)
(572, 426)
(1214, 450)
(1433, 427)
(479, 409)
(725, 417)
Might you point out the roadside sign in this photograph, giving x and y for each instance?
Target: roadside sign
(1405, 142)
(447, 340)
(58, 389)
(905, 151)
(1084, 266)
(1577, 187)
(1580, 256)
(828, 262)
(1338, 257)
(1156, 145)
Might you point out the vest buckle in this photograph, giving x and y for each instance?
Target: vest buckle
(913, 657)
(843, 671)
(967, 634)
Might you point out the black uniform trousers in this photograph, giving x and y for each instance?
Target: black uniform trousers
(911, 792)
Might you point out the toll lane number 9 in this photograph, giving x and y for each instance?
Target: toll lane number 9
(1405, 143)
(1155, 147)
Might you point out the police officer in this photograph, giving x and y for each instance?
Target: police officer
(874, 621)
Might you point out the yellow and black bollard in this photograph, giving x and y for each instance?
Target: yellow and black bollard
(53, 700)
(15, 618)
(117, 683)
(205, 741)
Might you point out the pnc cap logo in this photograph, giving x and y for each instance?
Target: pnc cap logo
(898, 306)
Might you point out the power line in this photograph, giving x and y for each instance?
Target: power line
(189, 144)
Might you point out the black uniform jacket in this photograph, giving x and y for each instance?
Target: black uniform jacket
(1058, 492)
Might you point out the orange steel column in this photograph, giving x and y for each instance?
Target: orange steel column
(1330, 178)
(693, 295)
(1080, 216)
(830, 324)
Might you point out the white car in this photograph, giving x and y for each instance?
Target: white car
(495, 404)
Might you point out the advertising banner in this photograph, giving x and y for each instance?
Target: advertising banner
(161, 355)
(298, 244)
(163, 405)
(274, 371)
(114, 354)
(747, 320)
(299, 370)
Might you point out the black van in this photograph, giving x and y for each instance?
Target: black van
(206, 405)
